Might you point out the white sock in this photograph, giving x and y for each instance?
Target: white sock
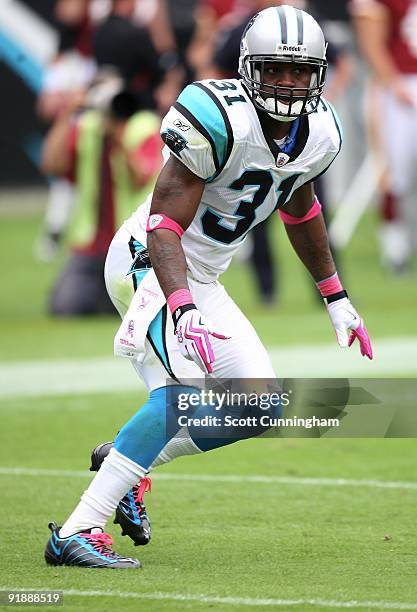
(116, 476)
(181, 444)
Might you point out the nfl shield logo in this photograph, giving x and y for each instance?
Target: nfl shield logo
(282, 159)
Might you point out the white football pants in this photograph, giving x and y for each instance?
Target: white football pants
(242, 356)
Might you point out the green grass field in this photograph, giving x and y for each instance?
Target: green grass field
(291, 524)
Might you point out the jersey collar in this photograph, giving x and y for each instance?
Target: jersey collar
(299, 133)
(298, 136)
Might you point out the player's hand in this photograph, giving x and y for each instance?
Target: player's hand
(344, 319)
(194, 332)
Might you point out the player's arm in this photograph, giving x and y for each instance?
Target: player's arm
(177, 195)
(196, 134)
(57, 152)
(309, 238)
(56, 155)
(175, 201)
(307, 232)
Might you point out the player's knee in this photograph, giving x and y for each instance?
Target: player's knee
(151, 428)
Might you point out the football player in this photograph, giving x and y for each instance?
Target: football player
(236, 152)
(386, 31)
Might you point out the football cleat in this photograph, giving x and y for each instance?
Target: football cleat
(90, 548)
(131, 512)
(98, 454)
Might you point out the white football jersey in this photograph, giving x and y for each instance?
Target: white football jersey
(214, 130)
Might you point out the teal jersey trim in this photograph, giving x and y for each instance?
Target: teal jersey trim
(209, 115)
(155, 331)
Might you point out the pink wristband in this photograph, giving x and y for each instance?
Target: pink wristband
(163, 222)
(179, 298)
(330, 285)
(313, 212)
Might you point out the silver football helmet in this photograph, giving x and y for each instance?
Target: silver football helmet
(283, 34)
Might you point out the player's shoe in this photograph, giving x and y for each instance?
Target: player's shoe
(90, 548)
(131, 512)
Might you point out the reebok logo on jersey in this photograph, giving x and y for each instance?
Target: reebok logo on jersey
(181, 125)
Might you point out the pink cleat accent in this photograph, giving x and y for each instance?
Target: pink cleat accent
(102, 542)
(144, 486)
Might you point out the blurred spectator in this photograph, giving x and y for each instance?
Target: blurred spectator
(208, 15)
(145, 55)
(111, 151)
(72, 68)
(182, 19)
(73, 65)
(387, 35)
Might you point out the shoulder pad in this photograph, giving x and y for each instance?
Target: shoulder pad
(201, 107)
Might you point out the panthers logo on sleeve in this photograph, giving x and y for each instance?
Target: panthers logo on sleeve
(174, 141)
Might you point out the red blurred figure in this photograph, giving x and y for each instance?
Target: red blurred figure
(387, 35)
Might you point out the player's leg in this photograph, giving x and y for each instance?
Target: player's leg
(410, 203)
(162, 365)
(241, 357)
(136, 447)
(399, 150)
(80, 541)
(58, 211)
(242, 361)
(263, 262)
(143, 443)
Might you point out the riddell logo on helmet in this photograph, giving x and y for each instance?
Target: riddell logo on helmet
(292, 49)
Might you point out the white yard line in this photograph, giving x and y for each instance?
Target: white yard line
(233, 601)
(227, 478)
(394, 356)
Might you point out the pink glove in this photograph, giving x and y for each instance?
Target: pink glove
(362, 335)
(344, 318)
(193, 333)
